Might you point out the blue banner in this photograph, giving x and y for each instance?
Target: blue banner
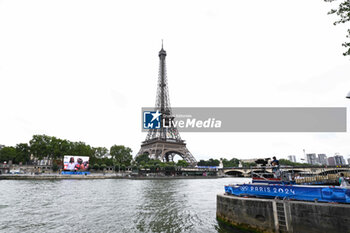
(297, 192)
(74, 173)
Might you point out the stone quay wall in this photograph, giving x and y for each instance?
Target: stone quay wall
(271, 215)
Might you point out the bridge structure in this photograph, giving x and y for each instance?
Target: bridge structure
(316, 170)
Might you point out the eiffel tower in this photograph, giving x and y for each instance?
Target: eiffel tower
(165, 143)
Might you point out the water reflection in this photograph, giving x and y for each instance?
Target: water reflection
(162, 208)
(187, 205)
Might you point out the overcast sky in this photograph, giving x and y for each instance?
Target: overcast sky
(82, 70)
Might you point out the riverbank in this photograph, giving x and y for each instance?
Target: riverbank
(97, 176)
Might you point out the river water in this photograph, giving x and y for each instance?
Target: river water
(112, 205)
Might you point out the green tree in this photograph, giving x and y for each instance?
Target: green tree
(80, 148)
(214, 162)
(47, 146)
(202, 163)
(58, 148)
(54, 167)
(169, 169)
(210, 162)
(121, 154)
(230, 163)
(22, 153)
(39, 146)
(182, 163)
(7, 153)
(153, 168)
(103, 166)
(108, 161)
(142, 158)
(343, 11)
(65, 147)
(155, 162)
(96, 166)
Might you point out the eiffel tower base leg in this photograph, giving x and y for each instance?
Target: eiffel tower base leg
(165, 151)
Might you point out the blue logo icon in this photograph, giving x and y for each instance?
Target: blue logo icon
(151, 120)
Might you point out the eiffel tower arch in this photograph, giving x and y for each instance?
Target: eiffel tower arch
(165, 143)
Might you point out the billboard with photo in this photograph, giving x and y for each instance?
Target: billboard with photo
(75, 163)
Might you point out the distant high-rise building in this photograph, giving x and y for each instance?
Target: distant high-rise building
(339, 160)
(322, 159)
(343, 160)
(2, 146)
(311, 158)
(331, 161)
(349, 161)
(292, 158)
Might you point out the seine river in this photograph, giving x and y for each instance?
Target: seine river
(112, 205)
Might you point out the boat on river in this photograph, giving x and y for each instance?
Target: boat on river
(318, 193)
(322, 188)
